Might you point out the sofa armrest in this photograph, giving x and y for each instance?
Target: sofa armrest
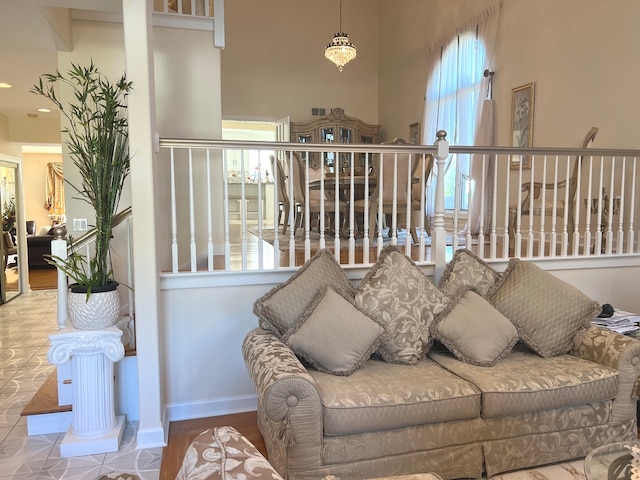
(616, 351)
(289, 406)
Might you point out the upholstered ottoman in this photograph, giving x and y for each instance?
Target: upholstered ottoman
(223, 452)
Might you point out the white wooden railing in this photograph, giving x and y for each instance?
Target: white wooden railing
(211, 230)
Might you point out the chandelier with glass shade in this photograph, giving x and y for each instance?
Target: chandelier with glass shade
(340, 51)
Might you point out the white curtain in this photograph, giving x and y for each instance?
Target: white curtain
(481, 175)
(455, 94)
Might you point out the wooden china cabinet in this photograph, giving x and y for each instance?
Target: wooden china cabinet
(336, 127)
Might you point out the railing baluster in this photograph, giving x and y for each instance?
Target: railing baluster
(209, 215)
(225, 210)
(632, 208)
(174, 223)
(192, 221)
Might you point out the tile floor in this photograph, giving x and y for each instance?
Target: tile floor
(25, 323)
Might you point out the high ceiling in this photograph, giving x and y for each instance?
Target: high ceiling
(31, 33)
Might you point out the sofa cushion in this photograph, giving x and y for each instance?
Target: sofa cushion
(474, 331)
(468, 270)
(397, 291)
(334, 336)
(524, 382)
(222, 453)
(547, 312)
(381, 395)
(282, 306)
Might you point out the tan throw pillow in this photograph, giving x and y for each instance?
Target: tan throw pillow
(397, 292)
(547, 312)
(468, 270)
(334, 336)
(223, 453)
(474, 331)
(284, 305)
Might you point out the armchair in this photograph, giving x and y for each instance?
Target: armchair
(531, 204)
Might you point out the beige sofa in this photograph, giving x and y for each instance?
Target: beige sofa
(488, 372)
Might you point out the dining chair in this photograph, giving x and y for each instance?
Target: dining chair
(315, 200)
(390, 169)
(283, 195)
(531, 204)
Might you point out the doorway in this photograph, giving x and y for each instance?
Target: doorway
(11, 218)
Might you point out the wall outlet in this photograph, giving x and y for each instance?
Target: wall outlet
(80, 224)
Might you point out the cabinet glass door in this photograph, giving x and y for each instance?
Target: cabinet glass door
(327, 136)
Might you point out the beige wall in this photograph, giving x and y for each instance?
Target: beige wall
(34, 173)
(578, 53)
(273, 63)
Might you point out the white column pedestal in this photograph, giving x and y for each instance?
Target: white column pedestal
(94, 428)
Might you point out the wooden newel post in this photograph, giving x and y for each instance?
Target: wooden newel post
(439, 234)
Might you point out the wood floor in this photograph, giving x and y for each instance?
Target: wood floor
(182, 433)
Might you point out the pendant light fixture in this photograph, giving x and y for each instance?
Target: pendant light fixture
(340, 51)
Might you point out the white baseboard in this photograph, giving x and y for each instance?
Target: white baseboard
(153, 437)
(212, 408)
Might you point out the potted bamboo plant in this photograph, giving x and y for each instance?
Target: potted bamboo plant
(97, 137)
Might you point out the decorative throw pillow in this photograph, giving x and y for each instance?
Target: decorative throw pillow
(334, 336)
(468, 270)
(222, 453)
(547, 312)
(397, 292)
(283, 305)
(474, 331)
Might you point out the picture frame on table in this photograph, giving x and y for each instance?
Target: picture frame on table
(414, 133)
(522, 106)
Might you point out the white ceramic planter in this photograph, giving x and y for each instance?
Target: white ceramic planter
(100, 311)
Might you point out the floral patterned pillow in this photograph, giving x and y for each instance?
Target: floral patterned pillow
(468, 270)
(405, 301)
(222, 453)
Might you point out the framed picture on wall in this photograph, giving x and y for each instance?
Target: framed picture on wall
(522, 102)
(414, 133)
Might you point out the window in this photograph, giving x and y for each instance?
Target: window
(453, 97)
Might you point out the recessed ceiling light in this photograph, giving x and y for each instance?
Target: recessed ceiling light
(5, 85)
(44, 110)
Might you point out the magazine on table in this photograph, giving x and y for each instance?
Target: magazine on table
(621, 322)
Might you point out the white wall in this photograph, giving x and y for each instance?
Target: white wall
(204, 329)
(576, 52)
(273, 63)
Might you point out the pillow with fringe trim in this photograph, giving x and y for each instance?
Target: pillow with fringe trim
(282, 306)
(397, 292)
(466, 269)
(474, 331)
(334, 336)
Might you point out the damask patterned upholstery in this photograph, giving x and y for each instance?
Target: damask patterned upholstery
(379, 396)
(438, 414)
(468, 270)
(396, 291)
(222, 453)
(524, 382)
